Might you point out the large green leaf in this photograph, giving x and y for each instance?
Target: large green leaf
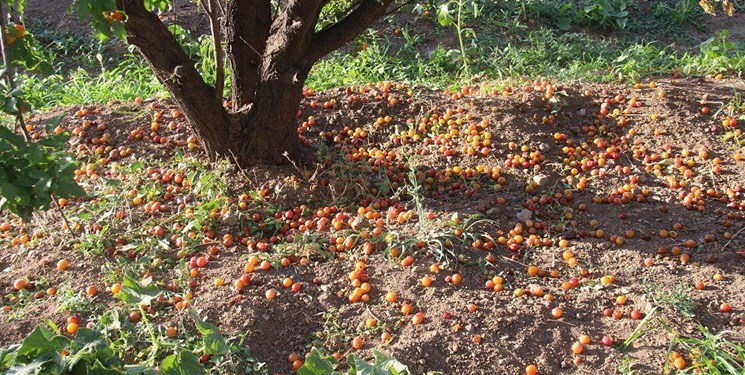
(183, 362)
(40, 365)
(318, 364)
(444, 17)
(135, 294)
(41, 341)
(390, 364)
(214, 342)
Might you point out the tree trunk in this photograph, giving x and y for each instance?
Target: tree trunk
(268, 130)
(246, 31)
(270, 58)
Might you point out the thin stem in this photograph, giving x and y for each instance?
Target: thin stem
(459, 28)
(9, 70)
(64, 218)
(153, 337)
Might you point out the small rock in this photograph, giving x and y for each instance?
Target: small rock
(524, 215)
(540, 179)
(569, 235)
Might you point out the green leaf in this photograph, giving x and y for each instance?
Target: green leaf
(183, 362)
(443, 15)
(318, 364)
(41, 188)
(363, 368)
(8, 191)
(135, 294)
(53, 122)
(7, 356)
(214, 342)
(141, 370)
(37, 366)
(40, 341)
(68, 189)
(389, 363)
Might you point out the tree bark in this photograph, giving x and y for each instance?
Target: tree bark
(268, 130)
(247, 24)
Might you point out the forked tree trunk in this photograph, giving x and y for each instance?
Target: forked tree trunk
(269, 60)
(268, 130)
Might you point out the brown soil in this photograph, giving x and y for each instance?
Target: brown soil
(515, 331)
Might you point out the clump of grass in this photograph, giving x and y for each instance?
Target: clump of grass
(712, 353)
(677, 300)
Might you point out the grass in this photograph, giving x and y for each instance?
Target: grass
(543, 52)
(130, 79)
(627, 366)
(712, 353)
(638, 332)
(677, 300)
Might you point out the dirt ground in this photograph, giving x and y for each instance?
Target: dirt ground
(373, 164)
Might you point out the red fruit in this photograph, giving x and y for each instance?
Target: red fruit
(607, 340)
(725, 308)
(636, 315)
(134, 316)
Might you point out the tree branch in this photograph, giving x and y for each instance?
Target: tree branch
(293, 28)
(340, 33)
(175, 70)
(210, 7)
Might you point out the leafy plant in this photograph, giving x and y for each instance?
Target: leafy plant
(606, 13)
(320, 364)
(47, 352)
(24, 50)
(712, 353)
(456, 17)
(32, 172)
